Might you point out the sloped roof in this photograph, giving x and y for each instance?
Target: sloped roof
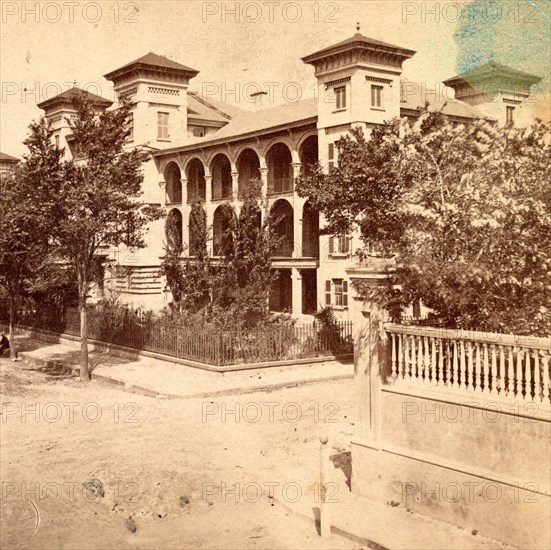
(202, 109)
(69, 95)
(358, 40)
(231, 111)
(492, 68)
(154, 61)
(254, 121)
(416, 98)
(250, 122)
(8, 158)
(306, 111)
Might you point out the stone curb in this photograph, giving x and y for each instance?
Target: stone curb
(74, 370)
(367, 543)
(131, 353)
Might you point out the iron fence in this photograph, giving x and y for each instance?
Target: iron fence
(201, 344)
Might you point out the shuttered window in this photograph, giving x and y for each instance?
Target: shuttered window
(162, 126)
(376, 96)
(336, 293)
(340, 96)
(339, 245)
(345, 294)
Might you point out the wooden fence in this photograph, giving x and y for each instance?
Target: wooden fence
(498, 365)
(275, 343)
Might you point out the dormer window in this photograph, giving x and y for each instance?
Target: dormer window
(340, 96)
(162, 126)
(377, 96)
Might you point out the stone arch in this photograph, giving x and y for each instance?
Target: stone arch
(222, 224)
(310, 231)
(174, 226)
(254, 147)
(308, 153)
(197, 228)
(163, 163)
(279, 161)
(282, 215)
(221, 169)
(196, 182)
(306, 135)
(173, 179)
(248, 167)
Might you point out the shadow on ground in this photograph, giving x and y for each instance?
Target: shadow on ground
(343, 461)
(61, 365)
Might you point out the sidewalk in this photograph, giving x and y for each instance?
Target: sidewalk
(373, 524)
(166, 379)
(366, 523)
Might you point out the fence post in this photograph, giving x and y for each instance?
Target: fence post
(325, 516)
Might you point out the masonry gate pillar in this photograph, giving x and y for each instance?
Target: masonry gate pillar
(369, 344)
(297, 291)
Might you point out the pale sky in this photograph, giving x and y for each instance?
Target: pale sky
(46, 46)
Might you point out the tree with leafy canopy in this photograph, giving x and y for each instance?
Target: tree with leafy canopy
(465, 209)
(188, 279)
(96, 203)
(25, 262)
(245, 276)
(231, 293)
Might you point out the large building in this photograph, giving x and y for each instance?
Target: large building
(207, 151)
(7, 163)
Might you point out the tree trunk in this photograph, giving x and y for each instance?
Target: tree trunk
(11, 336)
(84, 371)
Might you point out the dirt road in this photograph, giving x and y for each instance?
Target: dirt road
(93, 466)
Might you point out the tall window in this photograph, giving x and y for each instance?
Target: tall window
(331, 156)
(376, 96)
(131, 126)
(162, 126)
(339, 245)
(510, 115)
(336, 293)
(340, 95)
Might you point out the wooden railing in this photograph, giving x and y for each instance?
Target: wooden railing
(498, 365)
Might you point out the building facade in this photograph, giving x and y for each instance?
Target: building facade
(7, 163)
(208, 152)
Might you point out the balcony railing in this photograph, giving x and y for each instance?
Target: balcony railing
(311, 250)
(280, 185)
(284, 250)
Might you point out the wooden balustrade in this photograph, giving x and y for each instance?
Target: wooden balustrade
(515, 367)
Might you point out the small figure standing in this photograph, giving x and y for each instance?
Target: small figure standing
(4, 344)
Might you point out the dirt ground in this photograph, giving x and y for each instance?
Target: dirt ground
(94, 466)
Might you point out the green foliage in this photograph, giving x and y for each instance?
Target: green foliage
(329, 335)
(25, 259)
(231, 293)
(86, 203)
(173, 232)
(243, 280)
(189, 281)
(96, 202)
(465, 210)
(111, 321)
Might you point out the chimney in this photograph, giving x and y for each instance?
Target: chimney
(259, 100)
